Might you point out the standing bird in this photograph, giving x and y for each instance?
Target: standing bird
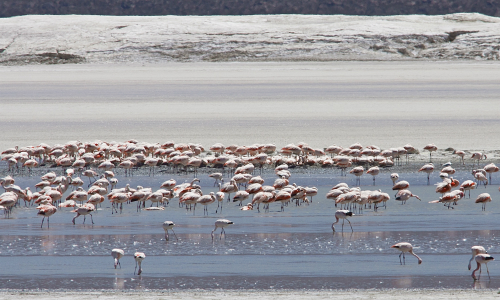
(374, 172)
(483, 199)
(431, 148)
(427, 168)
(478, 156)
(46, 211)
(84, 210)
(491, 168)
(404, 195)
(169, 225)
(217, 176)
(479, 176)
(468, 185)
(461, 154)
(394, 178)
(401, 185)
(228, 188)
(139, 257)
(205, 200)
(482, 259)
(221, 223)
(475, 251)
(358, 171)
(405, 247)
(342, 214)
(117, 254)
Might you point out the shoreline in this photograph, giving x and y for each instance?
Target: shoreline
(254, 294)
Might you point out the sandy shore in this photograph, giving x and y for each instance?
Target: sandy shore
(250, 294)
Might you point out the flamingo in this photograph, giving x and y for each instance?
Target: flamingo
(374, 171)
(169, 225)
(358, 172)
(482, 259)
(401, 185)
(481, 177)
(241, 196)
(249, 206)
(405, 247)
(427, 168)
(483, 199)
(342, 214)
(468, 185)
(7, 201)
(283, 196)
(217, 176)
(219, 196)
(117, 254)
(222, 223)
(404, 195)
(205, 200)
(139, 257)
(394, 178)
(46, 211)
(169, 184)
(229, 188)
(491, 168)
(475, 251)
(84, 210)
(431, 148)
(478, 156)
(461, 154)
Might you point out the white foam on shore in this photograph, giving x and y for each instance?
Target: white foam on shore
(118, 39)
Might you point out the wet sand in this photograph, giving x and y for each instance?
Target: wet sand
(389, 104)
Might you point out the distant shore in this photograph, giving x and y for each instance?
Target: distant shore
(82, 39)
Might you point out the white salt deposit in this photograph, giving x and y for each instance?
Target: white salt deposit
(104, 39)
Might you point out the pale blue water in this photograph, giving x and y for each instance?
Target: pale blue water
(293, 249)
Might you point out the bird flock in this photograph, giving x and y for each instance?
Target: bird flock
(98, 161)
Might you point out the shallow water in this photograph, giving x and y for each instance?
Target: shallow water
(295, 249)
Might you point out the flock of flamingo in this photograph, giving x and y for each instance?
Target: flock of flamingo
(101, 160)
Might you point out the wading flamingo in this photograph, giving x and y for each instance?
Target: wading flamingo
(482, 259)
(221, 223)
(342, 214)
(139, 257)
(169, 225)
(117, 254)
(405, 247)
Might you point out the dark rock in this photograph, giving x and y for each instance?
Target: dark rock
(10, 8)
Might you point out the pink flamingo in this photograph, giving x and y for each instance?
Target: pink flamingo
(405, 247)
(482, 259)
(342, 214)
(475, 251)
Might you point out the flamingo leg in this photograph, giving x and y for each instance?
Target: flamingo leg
(213, 232)
(174, 234)
(350, 225)
(92, 219)
(42, 222)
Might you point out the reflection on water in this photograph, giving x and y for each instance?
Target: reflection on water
(292, 249)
